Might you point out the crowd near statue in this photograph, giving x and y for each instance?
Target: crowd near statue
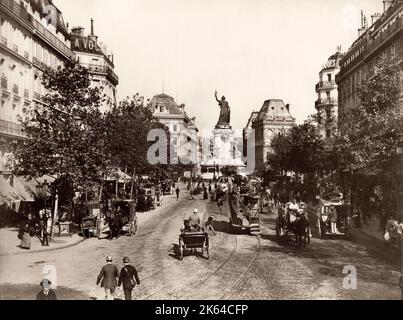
(225, 114)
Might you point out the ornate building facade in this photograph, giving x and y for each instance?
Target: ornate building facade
(273, 118)
(327, 103)
(33, 36)
(94, 56)
(180, 125)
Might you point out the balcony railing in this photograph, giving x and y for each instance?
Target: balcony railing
(326, 85)
(39, 64)
(15, 48)
(15, 89)
(21, 13)
(102, 69)
(326, 102)
(4, 83)
(26, 55)
(11, 128)
(3, 41)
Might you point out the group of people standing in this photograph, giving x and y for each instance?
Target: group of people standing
(35, 226)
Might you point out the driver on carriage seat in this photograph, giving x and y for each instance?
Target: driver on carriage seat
(293, 209)
(194, 221)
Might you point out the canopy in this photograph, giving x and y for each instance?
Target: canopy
(20, 189)
(118, 175)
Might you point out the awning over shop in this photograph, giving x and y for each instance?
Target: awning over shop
(118, 175)
(17, 189)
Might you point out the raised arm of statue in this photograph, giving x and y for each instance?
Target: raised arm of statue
(217, 97)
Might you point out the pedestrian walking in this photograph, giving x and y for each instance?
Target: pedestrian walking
(107, 277)
(129, 278)
(205, 195)
(177, 192)
(46, 292)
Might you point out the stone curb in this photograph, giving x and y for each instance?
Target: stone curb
(44, 250)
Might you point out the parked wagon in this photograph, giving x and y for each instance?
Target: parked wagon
(193, 240)
(128, 216)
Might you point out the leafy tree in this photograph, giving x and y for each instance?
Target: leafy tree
(369, 132)
(65, 134)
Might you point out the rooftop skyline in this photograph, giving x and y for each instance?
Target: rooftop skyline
(250, 51)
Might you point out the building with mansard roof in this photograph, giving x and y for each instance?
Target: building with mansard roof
(273, 118)
(93, 55)
(174, 117)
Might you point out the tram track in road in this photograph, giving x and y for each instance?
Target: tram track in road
(229, 292)
(204, 280)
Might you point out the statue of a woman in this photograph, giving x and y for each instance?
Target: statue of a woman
(225, 114)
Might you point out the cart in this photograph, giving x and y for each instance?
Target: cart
(194, 240)
(344, 221)
(127, 211)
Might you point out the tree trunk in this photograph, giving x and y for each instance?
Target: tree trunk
(54, 214)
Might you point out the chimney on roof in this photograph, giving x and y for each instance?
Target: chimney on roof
(364, 24)
(375, 17)
(387, 4)
(92, 26)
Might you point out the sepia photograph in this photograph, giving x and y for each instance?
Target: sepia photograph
(201, 150)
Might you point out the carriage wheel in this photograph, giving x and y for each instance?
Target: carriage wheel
(131, 230)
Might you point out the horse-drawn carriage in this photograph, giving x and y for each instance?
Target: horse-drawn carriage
(293, 219)
(194, 240)
(245, 212)
(333, 218)
(167, 187)
(146, 199)
(126, 210)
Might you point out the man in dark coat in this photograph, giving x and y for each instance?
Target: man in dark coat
(46, 293)
(107, 277)
(177, 192)
(129, 278)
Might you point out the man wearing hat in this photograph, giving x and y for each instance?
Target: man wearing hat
(194, 220)
(46, 293)
(108, 275)
(129, 278)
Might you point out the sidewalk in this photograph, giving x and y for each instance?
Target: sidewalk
(10, 244)
(372, 229)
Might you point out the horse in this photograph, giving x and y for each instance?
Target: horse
(301, 230)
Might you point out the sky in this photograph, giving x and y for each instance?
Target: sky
(248, 50)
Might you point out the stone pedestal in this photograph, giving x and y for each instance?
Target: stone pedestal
(224, 154)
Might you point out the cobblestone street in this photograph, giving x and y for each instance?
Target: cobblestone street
(240, 266)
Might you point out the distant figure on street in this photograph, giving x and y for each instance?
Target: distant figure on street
(129, 278)
(107, 277)
(46, 292)
(209, 225)
(205, 195)
(177, 192)
(25, 238)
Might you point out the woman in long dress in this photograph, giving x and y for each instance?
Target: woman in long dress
(26, 239)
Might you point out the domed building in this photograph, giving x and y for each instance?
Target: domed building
(326, 88)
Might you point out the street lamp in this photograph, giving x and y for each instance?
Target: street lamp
(42, 193)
